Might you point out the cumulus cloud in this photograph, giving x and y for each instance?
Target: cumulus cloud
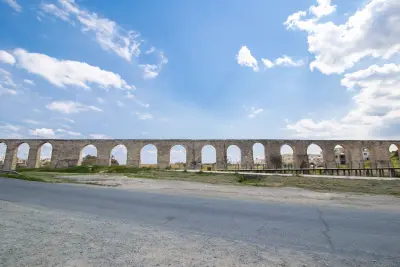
(14, 4)
(371, 32)
(253, 111)
(66, 72)
(42, 132)
(376, 106)
(6, 57)
(7, 85)
(244, 58)
(30, 82)
(69, 107)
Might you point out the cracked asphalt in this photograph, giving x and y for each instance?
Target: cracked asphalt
(77, 225)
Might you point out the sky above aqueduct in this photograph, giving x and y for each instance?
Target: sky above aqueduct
(200, 69)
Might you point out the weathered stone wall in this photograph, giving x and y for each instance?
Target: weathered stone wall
(67, 153)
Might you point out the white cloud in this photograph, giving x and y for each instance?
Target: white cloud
(71, 133)
(150, 51)
(10, 127)
(32, 122)
(371, 32)
(55, 11)
(6, 57)
(324, 8)
(30, 82)
(144, 116)
(288, 62)
(43, 132)
(244, 58)
(285, 61)
(14, 4)
(119, 103)
(69, 107)
(109, 35)
(254, 111)
(376, 107)
(66, 72)
(137, 101)
(151, 71)
(99, 136)
(7, 84)
(100, 100)
(69, 120)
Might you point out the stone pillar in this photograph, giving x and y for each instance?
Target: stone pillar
(246, 160)
(33, 157)
(65, 154)
(300, 156)
(163, 154)
(222, 158)
(10, 161)
(133, 155)
(328, 155)
(103, 155)
(193, 156)
(272, 153)
(381, 155)
(355, 157)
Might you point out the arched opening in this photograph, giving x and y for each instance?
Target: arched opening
(88, 156)
(45, 155)
(177, 157)
(148, 156)
(366, 158)
(233, 159)
(340, 156)
(22, 155)
(118, 156)
(208, 158)
(394, 155)
(315, 156)
(259, 155)
(3, 150)
(287, 159)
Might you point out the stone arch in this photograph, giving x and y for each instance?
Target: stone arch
(287, 156)
(178, 157)
(118, 155)
(148, 156)
(340, 156)
(394, 155)
(208, 157)
(233, 156)
(44, 155)
(88, 155)
(22, 155)
(315, 156)
(258, 154)
(3, 152)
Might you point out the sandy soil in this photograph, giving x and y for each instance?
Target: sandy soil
(282, 195)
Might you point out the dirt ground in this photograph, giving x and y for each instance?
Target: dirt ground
(280, 195)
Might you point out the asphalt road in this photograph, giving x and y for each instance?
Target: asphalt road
(97, 226)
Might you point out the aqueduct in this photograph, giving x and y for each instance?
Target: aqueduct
(67, 153)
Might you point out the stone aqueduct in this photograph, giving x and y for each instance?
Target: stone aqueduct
(67, 153)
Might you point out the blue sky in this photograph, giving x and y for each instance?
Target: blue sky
(199, 69)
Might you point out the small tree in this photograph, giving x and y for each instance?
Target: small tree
(276, 161)
(89, 160)
(114, 161)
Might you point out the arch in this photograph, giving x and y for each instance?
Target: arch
(315, 156)
(208, 157)
(45, 153)
(258, 154)
(394, 155)
(177, 157)
(366, 157)
(88, 156)
(148, 156)
(3, 151)
(22, 155)
(233, 157)
(287, 156)
(340, 156)
(118, 155)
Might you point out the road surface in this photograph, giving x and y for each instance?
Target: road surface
(74, 225)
